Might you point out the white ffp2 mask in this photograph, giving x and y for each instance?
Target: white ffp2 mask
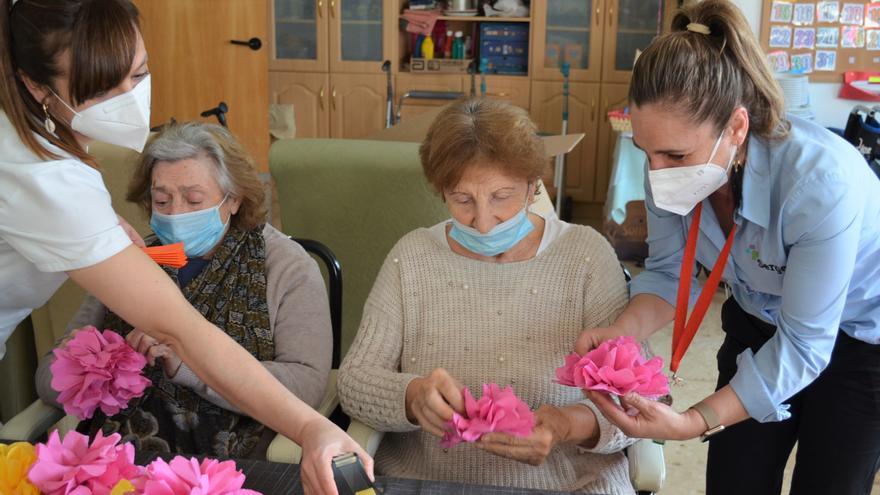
(123, 120)
(679, 189)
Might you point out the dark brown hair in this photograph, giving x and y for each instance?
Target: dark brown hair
(101, 36)
(234, 169)
(481, 129)
(707, 76)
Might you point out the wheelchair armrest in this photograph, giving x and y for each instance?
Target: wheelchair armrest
(32, 423)
(283, 449)
(647, 467)
(365, 436)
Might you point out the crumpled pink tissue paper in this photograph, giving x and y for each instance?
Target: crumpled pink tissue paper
(97, 370)
(616, 366)
(498, 410)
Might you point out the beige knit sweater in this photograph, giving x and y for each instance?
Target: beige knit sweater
(509, 323)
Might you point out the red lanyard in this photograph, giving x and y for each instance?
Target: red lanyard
(685, 328)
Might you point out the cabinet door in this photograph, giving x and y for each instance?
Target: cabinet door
(546, 111)
(567, 31)
(298, 30)
(359, 39)
(631, 25)
(613, 96)
(357, 105)
(310, 96)
(510, 88)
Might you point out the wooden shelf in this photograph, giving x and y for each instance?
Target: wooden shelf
(361, 22)
(569, 29)
(295, 20)
(483, 19)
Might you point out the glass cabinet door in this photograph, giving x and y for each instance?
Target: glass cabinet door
(633, 25)
(299, 35)
(361, 30)
(357, 41)
(568, 33)
(572, 34)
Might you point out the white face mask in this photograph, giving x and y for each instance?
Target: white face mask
(123, 120)
(679, 189)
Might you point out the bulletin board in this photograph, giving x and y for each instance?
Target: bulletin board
(821, 38)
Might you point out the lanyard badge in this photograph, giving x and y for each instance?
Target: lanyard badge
(685, 328)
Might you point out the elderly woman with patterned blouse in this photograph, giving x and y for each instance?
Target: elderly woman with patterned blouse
(200, 187)
(497, 294)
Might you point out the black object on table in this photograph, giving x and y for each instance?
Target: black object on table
(272, 478)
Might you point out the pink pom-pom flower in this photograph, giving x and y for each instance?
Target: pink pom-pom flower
(616, 366)
(190, 477)
(96, 369)
(498, 410)
(74, 467)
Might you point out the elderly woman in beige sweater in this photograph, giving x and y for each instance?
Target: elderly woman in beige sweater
(201, 188)
(496, 294)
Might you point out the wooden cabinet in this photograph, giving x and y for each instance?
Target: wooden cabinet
(630, 26)
(345, 106)
(599, 39)
(357, 105)
(362, 34)
(309, 95)
(299, 39)
(326, 60)
(567, 31)
(514, 89)
(352, 36)
(583, 106)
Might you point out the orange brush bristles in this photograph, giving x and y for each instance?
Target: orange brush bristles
(170, 255)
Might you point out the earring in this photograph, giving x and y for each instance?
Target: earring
(48, 123)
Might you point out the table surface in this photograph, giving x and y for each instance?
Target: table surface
(271, 478)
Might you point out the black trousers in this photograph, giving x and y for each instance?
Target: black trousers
(835, 422)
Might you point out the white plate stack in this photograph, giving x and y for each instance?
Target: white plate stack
(796, 89)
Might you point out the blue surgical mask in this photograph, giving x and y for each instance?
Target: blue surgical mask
(501, 238)
(199, 231)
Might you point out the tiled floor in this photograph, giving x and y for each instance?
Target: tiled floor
(686, 461)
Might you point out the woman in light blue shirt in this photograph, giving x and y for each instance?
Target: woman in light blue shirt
(799, 212)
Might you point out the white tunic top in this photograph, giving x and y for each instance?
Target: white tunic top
(55, 216)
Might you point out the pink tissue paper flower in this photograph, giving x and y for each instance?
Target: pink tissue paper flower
(189, 477)
(616, 366)
(73, 467)
(95, 370)
(498, 410)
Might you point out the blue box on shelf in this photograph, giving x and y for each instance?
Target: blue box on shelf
(505, 46)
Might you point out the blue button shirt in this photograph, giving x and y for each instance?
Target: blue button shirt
(805, 257)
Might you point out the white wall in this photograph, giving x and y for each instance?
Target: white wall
(830, 110)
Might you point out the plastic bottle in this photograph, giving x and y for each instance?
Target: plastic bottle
(417, 49)
(447, 47)
(458, 46)
(428, 48)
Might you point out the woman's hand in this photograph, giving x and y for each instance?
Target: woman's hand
(152, 349)
(590, 338)
(136, 238)
(552, 427)
(321, 442)
(431, 400)
(653, 419)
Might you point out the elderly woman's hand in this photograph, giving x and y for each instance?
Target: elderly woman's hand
(431, 400)
(152, 349)
(590, 338)
(552, 426)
